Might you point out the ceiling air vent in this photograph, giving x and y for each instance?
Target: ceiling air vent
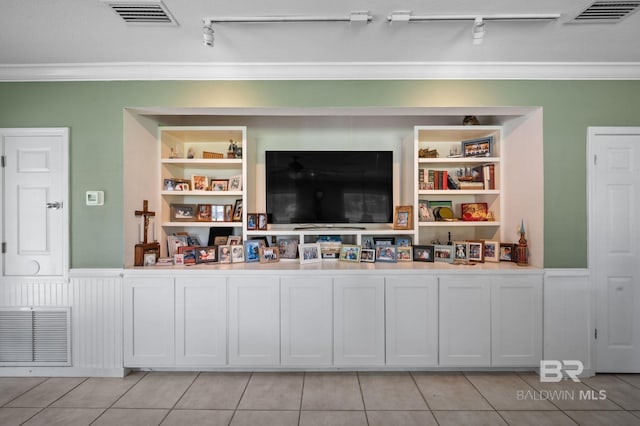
(142, 12)
(607, 11)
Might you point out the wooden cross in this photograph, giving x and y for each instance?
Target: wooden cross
(146, 214)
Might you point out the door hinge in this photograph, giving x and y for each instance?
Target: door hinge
(4, 248)
(3, 161)
(596, 334)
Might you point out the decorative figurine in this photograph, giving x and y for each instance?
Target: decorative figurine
(522, 248)
(470, 120)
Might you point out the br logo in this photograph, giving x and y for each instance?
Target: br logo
(555, 370)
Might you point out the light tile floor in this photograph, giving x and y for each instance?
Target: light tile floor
(309, 399)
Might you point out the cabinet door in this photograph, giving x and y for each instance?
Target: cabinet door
(412, 320)
(201, 321)
(516, 323)
(465, 321)
(359, 321)
(148, 322)
(307, 321)
(254, 321)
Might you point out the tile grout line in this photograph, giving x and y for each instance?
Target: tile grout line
(617, 376)
(119, 398)
(235, 410)
(304, 376)
(364, 406)
(608, 399)
(484, 397)
(419, 391)
(181, 396)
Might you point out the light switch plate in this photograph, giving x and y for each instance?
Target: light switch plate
(95, 198)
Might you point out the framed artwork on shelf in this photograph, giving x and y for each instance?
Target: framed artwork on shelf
(288, 248)
(252, 250)
(425, 214)
(234, 240)
(481, 147)
(403, 217)
(443, 253)
(269, 254)
(199, 183)
(237, 211)
(237, 253)
(404, 254)
(188, 254)
(508, 252)
(383, 241)
(219, 184)
(224, 254)
(403, 241)
(310, 253)
(206, 254)
(350, 253)
(368, 255)
(262, 221)
(220, 240)
(183, 212)
(204, 213)
(252, 221)
(461, 250)
(423, 254)
(476, 251)
(235, 183)
(474, 212)
(386, 253)
(491, 251)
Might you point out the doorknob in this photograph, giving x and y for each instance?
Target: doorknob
(57, 205)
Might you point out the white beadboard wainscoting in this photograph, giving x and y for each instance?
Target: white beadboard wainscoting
(95, 299)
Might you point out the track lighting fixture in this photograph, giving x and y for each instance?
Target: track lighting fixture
(207, 34)
(477, 32)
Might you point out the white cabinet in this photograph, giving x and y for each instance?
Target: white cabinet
(307, 320)
(516, 323)
(465, 320)
(254, 321)
(201, 321)
(148, 321)
(412, 320)
(359, 321)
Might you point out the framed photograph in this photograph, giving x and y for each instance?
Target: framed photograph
(234, 240)
(224, 254)
(235, 183)
(237, 211)
(461, 250)
(476, 251)
(178, 259)
(199, 183)
(404, 253)
(508, 252)
(425, 214)
(330, 250)
(368, 255)
(443, 253)
(403, 217)
(188, 254)
(183, 212)
(252, 221)
(482, 147)
(368, 242)
(386, 253)
(204, 213)
(149, 259)
(403, 241)
(237, 253)
(262, 221)
(169, 185)
(474, 211)
(310, 253)
(228, 212)
(288, 248)
(491, 251)
(350, 253)
(219, 184)
(252, 250)
(206, 254)
(220, 240)
(383, 241)
(269, 254)
(423, 254)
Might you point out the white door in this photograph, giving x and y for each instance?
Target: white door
(35, 214)
(614, 245)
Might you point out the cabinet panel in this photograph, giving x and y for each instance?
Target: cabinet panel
(201, 321)
(412, 320)
(148, 322)
(254, 321)
(359, 321)
(465, 321)
(307, 321)
(516, 324)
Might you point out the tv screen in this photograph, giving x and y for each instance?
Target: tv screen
(322, 187)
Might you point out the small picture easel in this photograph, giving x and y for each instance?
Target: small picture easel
(145, 247)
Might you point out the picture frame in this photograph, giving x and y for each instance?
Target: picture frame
(474, 212)
(383, 241)
(206, 254)
(178, 259)
(262, 221)
(508, 252)
(461, 250)
(330, 250)
(220, 240)
(310, 253)
(288, 248)
(204, 213)
(423, 253)
(368, 242)
(224, 254)
(425, 214)
(199, 183)
(480, 147)
(149, 259)
(237, 253)
(403, 241)
(252, 221)
(182, 185)
(443, 253)
(228, 212)
(183, 212)
(386, 253)
(188, 254)
(404, 253)
(350, 253)
(368, 255)
(169, 185)
(235, 183)
(252, 250)
(219, 184)
(269, 254)
(234, 240)
(237, 211)
(491, 251)
(476, 251)
(403, 217)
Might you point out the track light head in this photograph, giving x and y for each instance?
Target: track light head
(478, 31)
(207, 34)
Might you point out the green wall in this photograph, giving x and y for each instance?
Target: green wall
(94, 113)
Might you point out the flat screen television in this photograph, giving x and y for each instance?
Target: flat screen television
(329, 187)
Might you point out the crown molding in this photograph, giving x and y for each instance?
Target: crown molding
(322, 71)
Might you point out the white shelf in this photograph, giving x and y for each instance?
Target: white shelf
(202, 224)
(202, 161)
(452, 162)
(455, 192)
(204, 193)
(459, 223)
(330, 231)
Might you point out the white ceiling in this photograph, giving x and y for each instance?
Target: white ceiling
(70, 32)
